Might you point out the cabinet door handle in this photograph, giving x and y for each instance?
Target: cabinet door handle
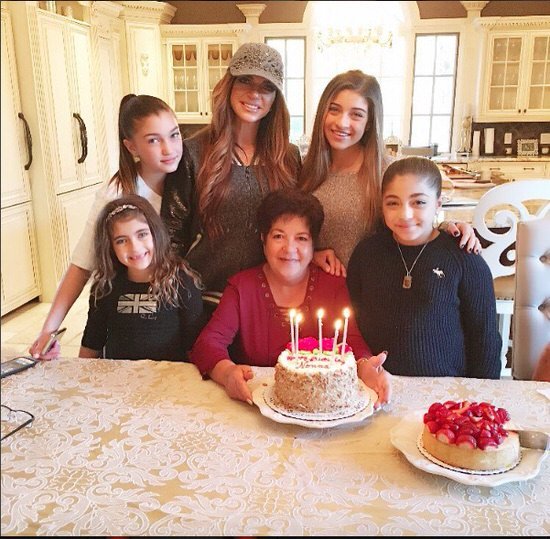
(83, 137)
(524, 111)
(494, 168)
(28, 140)
(528, 168)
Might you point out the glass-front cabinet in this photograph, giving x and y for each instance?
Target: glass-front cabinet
(517, 80)
(195, 66)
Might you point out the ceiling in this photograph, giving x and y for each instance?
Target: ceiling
(207, 12)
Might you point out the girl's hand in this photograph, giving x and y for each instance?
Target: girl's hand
(327, 261)
(469, 240)
(38, 345)
(235, 384)
(376, 377)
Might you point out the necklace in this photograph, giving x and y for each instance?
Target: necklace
(407, 280)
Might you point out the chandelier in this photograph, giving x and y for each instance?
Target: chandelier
(347, 36)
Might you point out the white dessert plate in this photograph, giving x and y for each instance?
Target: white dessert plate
(405, 437)
(263, 398)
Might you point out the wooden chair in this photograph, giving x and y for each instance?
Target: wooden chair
(531, 323)
(496, 219)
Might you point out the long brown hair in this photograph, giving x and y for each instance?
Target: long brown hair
(277, 162)
(165, 279)
(318, 159)
(132, 109)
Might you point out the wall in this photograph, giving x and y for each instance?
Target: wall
(201, 12)
(519, 130)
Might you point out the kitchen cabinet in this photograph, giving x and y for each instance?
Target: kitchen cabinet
(517, 77)
(513, 170)
(63, 106)
(19, 260)
(194, 68)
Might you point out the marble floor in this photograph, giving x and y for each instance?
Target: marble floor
(20, 327)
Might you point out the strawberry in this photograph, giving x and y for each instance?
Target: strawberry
(503, 415)
(446, 436)
(434, 407)
(432, 426)
(450, 404)
(428, 417)
(486, 442)
(466, 429)
(466, 441)
(484, 434)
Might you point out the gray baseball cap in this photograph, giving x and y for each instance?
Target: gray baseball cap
(258, 59)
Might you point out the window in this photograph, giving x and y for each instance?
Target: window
(292, 49)
(434, 90)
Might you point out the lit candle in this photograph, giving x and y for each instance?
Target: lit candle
(337, 326)
(291, 315)
(296, 333)
(345, 336)
(320, 314)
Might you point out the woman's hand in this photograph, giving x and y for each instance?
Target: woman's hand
(234, 378)
(328, 261)
(38, 345)
(376, 377)
(469, 240)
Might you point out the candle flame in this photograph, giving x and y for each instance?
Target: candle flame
(346, 313)
(292, 313)
(338, 324)
(299, 318)
(320, 313)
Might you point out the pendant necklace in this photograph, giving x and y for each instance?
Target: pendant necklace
(407, 280)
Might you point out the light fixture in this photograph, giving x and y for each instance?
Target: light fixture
(347, 36)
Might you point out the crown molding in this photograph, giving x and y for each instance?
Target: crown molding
(201, 30)
(525, 23)
(251, 10)
(475, 5)
(159, 12)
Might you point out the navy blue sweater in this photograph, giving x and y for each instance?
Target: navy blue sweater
(444, 325)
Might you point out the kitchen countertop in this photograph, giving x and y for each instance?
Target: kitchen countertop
(486, 158)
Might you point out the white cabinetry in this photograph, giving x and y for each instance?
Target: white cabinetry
(61, 100)
(517, 76)
(194, 68)
(513, 170)
(19, 261)
(142, 20)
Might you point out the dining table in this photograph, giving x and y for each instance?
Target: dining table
(133, 448)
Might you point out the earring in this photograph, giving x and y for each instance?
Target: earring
(435, 222)
(136, 158)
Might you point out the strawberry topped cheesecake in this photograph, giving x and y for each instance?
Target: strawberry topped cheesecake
(470, 435)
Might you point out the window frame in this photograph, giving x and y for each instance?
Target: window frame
(285, 38)
(431, 115)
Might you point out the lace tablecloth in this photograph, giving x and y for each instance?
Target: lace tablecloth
(148, 448)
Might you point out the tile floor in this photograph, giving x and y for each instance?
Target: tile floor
(19, 328)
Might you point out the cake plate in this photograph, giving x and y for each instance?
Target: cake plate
(405, 437)
(263, 398)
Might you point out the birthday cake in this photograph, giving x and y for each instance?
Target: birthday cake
(313, 381)
(470, 435)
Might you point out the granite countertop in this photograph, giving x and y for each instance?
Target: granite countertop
(486, 158)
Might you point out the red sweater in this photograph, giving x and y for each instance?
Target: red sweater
(248, 328)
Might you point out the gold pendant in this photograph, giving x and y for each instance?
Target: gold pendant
(407, 281)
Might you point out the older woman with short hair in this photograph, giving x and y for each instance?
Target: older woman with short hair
(251, 325)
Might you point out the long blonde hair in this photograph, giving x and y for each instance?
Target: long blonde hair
(132, 109)
(165, 279)
(318, 159)
(278, 163)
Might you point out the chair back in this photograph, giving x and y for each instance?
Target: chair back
(531, 318)
(498, 224)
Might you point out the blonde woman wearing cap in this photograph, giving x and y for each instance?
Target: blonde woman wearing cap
(242, 155)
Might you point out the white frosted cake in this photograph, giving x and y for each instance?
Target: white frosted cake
(316, 383)
(470, 435)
